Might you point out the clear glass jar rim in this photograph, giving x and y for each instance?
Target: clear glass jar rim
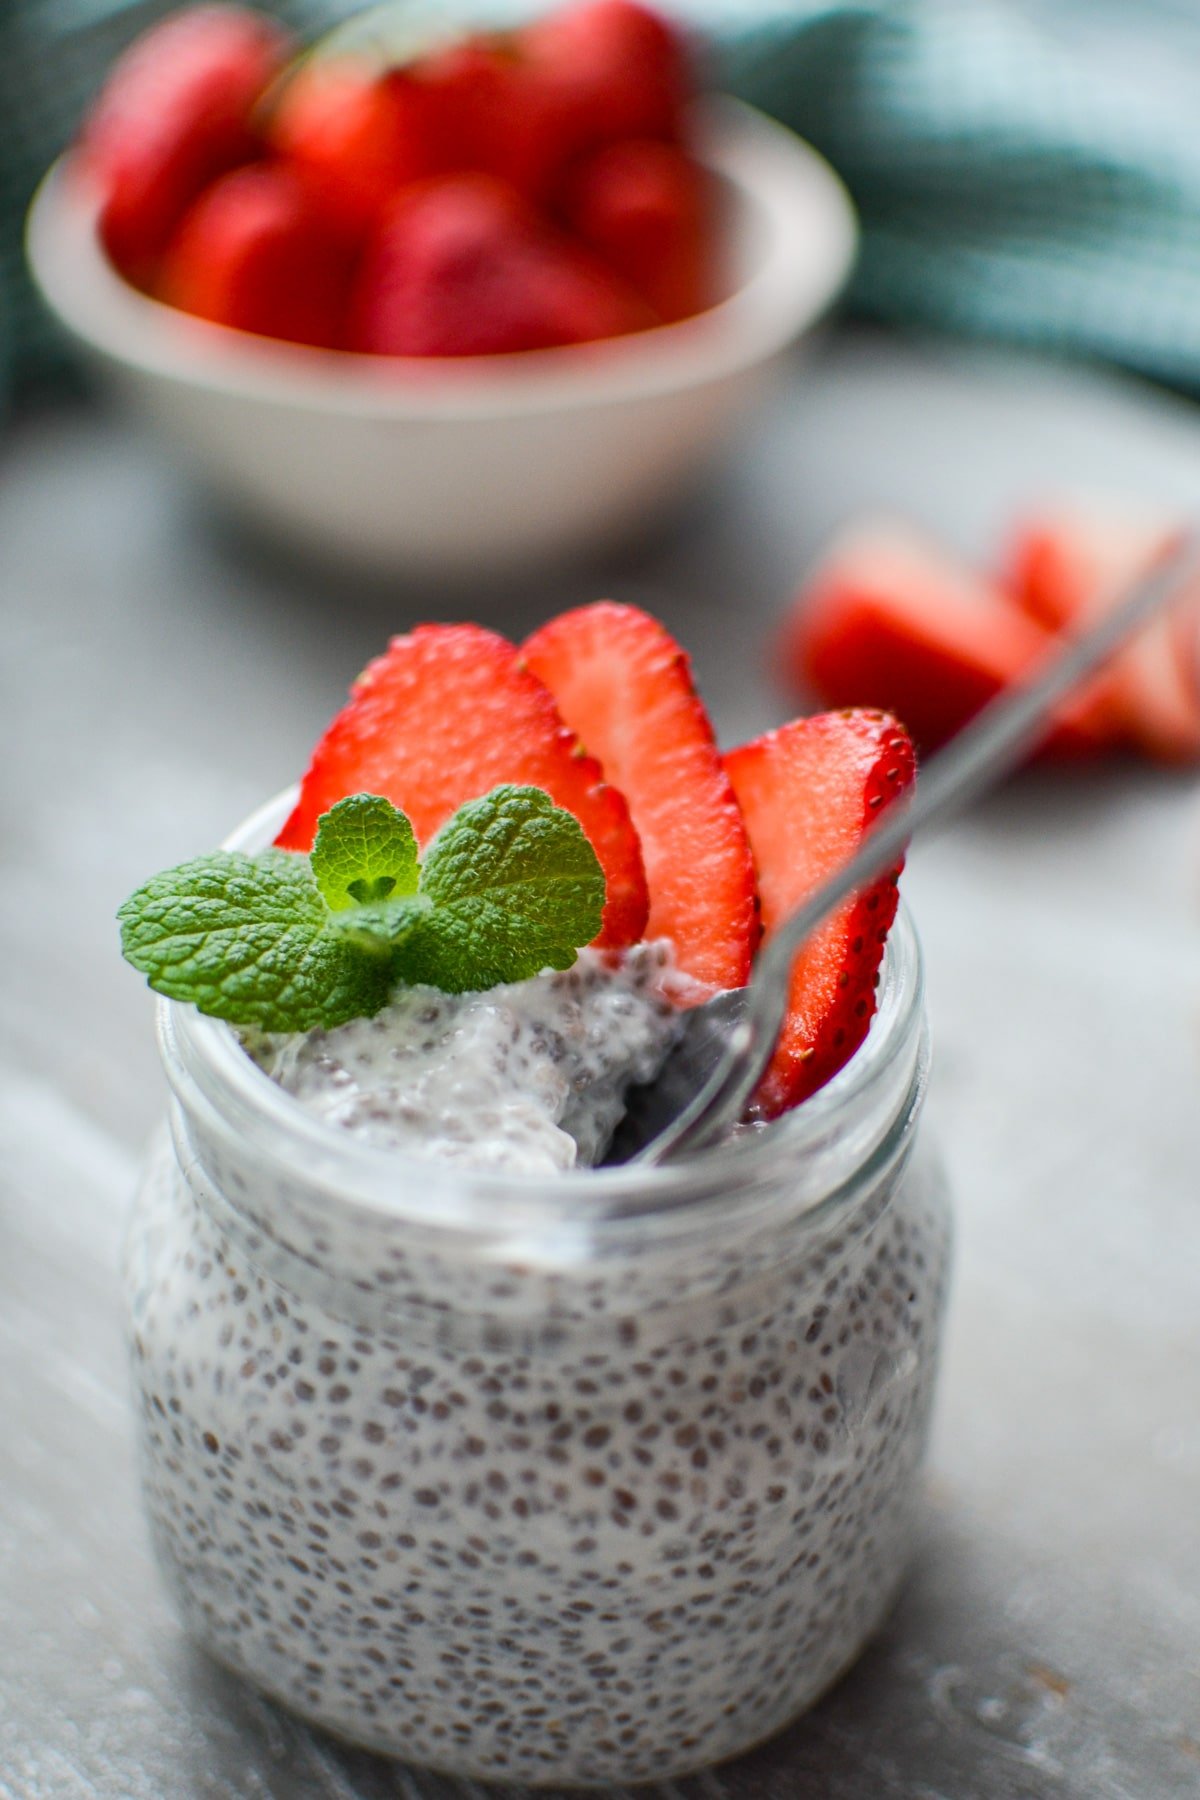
(203, 1053)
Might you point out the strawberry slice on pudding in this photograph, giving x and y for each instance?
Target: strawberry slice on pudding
(625, 686)
(447, 713)
(809, 792)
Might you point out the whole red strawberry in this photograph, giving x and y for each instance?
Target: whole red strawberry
(473, 95)
(257, 251)
(645, 208)
(623, 65)
(176, 111)
(463, 267)
(358, 134)
(808, 793)
(607, 69)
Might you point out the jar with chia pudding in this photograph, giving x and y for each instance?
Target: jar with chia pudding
(589, 1476)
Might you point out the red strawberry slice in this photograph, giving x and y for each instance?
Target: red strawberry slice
(258, 252)
(623, 683)
(358, 134)
(175, 113)
(461, 266)
(890, 620)
(645, 208)
(1068, 566)
(808, 793)
(447, 714)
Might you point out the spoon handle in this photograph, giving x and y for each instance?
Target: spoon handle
(991, 746)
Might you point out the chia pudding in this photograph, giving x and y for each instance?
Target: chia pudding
(528, 1076)
(547, 1474)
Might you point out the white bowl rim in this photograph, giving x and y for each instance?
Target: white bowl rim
(813, 239)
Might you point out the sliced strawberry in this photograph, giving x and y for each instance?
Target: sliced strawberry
(445, 715)
(890, 620)
(645, 207)
(808, 793)
(462, 266)
(1069, 566)
(360, 135)
(623, 683)
(175, 112)
(257, 251)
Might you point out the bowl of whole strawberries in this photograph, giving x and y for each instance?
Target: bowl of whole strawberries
(446, 308)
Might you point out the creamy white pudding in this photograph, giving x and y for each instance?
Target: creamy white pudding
(527, 1077)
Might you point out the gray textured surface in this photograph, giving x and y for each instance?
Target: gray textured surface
(160, 677)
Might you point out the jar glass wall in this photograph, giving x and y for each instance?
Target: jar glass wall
(589, 1479)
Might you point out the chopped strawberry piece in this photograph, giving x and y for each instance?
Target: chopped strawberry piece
(1069, 566)
(890, 620)
(604, 70)
(445, 715)
(462, 267)
(808, 793)
(358, 134)
(176, 111)
(257, 251)
(623, 683)
(645, 208)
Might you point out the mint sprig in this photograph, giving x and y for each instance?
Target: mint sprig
(288, 942)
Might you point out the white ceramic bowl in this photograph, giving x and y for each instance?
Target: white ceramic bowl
(454, 466)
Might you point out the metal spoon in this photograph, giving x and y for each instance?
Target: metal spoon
(726, 1044)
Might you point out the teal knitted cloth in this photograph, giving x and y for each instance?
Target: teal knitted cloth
(1035, 181)
(1012, 184)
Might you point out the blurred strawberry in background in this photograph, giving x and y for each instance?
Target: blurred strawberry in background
(230, 183)
(890, 618)
(644, 207)
(1067, 566)
(606, 70)
(462, 266)
(258, 251)
(357, 134)
(176, 112)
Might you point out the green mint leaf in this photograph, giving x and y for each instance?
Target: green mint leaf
(512, 887)
(365, 852)
(251, 940)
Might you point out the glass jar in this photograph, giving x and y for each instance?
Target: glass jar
(588, 1479)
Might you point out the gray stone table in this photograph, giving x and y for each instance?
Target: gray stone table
(160, 675)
